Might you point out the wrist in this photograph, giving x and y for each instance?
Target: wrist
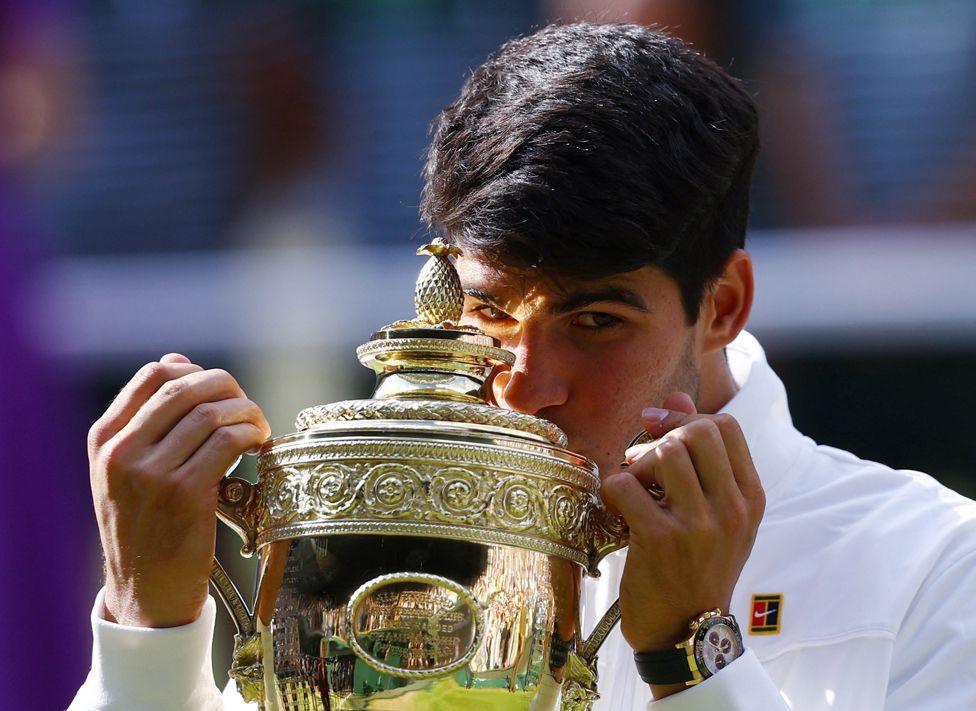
(662, 642)
(664, 635)
(663, 630)
(715, 641)
(660, 691)
(123, 605)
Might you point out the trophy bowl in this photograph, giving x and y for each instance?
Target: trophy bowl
(423, 549)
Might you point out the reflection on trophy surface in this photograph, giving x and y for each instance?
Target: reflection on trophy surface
(422, 549)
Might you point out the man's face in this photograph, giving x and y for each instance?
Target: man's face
(590, 354)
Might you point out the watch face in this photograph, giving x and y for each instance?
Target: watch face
(717, 644)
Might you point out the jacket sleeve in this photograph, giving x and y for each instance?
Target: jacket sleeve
(742, 686)
(936, 645)
(152, 669)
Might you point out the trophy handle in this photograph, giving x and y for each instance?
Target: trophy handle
(580, 682)
(607, 533)
(589, 648)
(235, 507)
(232, 599)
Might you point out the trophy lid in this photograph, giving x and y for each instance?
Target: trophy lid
(432, 368)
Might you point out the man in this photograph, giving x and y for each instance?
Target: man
(597, 178)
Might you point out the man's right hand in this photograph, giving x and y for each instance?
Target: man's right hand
(156, 459)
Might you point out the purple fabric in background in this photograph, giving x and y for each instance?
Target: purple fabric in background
(48, 553)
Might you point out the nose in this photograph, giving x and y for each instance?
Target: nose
(535, 382)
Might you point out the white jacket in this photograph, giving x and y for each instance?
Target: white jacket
(876, 569)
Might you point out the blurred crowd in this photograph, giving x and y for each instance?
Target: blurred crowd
(134, 126)
(174, 126)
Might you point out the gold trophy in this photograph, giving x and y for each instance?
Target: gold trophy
(424, 549)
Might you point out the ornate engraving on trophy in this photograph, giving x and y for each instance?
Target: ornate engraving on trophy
(458, 494)
(546, 503)
(329, 489)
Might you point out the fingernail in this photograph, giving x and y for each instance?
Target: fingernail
(654, 415)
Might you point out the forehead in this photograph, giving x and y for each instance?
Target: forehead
(477, 273)
(482, 275)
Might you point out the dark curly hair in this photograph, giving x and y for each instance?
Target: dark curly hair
(588, 150)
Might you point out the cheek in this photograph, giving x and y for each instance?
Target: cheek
(628, 375)
(612, 392)
(617, 387)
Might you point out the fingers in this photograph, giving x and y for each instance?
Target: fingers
(134, 395)
(658, 421)
(174, 358)
(626, 495)
(203, 420)
(174, 400)
(668, 464)
(222, 448)
(717, 447)
(743, 468)
(710, 457)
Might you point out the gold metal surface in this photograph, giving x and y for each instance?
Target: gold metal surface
(471, 413)
(422, 549)
(438, 296)
(470, 486)
(232, 599)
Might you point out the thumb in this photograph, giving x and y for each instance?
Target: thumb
(677, 408)
(174, 358)
(680, 402)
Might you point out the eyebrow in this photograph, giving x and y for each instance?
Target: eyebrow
(579, 299)
(575, 300)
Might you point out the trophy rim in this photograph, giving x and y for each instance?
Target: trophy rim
(504, 438)
(477, 483)
(472, 416)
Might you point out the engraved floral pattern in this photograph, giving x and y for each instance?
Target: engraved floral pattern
(565, 511)
(458, 494)
(392, 489)
(332, 488)
(516, 504)
(439, 489)
(283, 496)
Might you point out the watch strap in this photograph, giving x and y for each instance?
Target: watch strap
(667, 666)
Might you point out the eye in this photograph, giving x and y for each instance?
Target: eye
(596, 320)
(489, 313)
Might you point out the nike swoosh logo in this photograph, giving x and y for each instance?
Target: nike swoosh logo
(760, 615)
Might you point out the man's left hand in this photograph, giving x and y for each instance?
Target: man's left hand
(687, 550)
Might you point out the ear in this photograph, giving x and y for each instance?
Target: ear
(726, 305)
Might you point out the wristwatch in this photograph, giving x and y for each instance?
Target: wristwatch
(714, 643)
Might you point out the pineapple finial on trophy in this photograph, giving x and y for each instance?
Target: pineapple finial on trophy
(438, 296)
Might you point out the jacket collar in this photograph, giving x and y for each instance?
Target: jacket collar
(761, 409)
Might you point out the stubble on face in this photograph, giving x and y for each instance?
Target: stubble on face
(685, 377)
